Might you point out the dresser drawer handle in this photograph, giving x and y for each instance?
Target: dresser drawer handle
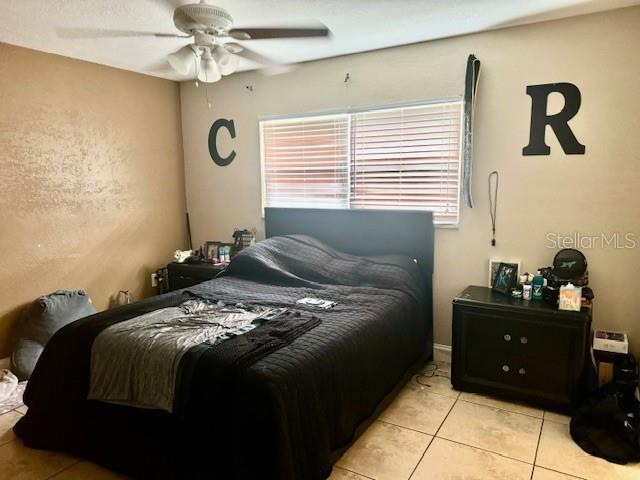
(524, 340)
(505, 368)
(522, 371)
(507, 337)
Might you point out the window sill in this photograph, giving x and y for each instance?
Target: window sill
(447, 227)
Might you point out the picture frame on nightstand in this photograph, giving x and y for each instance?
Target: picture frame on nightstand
(210, 250)
(494, 263)
(506, 278)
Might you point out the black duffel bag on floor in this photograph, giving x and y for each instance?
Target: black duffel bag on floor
(607, 425)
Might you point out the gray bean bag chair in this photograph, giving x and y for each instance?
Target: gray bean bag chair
(44, 317)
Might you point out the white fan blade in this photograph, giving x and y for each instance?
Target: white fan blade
(233, 47)
(269, 65)
(74, 33)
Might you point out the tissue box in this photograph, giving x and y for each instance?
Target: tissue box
(570, 298)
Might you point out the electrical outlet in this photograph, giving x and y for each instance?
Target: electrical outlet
(154, 279)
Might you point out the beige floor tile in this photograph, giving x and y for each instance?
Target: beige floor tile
(557, 417)
(86, 470)
(21, 463)
(557, 451)
(7, 421)
(544, 474)
(342, 474)
(444, 366)
(437, 381)
(515, 407)
(23, 409)
(416, 408)
(385, 452)
(447, 460)
(506, 433)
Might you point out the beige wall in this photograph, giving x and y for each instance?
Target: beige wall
(91, 179)
(591, 193)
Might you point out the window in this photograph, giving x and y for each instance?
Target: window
(306, 162)
(392, 158)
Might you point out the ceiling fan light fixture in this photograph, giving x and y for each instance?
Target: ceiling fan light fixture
(227, 62)
(183, 60)
(209, 71)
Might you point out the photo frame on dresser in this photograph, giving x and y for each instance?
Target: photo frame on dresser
(210, 250)
(506, 278)
(494, 263)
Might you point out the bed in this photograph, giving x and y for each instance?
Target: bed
(292, 413)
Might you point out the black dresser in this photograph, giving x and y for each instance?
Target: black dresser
(183, 275)
(519, 349)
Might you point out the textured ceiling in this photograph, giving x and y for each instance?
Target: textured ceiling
(357, 25)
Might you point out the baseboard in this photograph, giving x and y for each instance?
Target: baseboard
(4, 363)
(441, 353)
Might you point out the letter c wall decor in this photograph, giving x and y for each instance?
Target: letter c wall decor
(213, 138)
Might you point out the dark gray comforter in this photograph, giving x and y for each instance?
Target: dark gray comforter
(136, 363)
(288, 415)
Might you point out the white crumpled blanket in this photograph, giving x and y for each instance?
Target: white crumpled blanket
(8, 384)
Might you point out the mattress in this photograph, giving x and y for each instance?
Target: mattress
(286, 416)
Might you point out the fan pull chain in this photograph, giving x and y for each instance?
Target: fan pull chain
(206, 95)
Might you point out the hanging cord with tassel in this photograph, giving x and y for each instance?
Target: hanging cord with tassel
(493, 205)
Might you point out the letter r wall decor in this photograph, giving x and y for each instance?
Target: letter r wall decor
(558, 122)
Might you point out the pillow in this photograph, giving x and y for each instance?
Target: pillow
(44, 317)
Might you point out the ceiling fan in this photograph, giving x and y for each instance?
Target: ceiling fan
(214, 51)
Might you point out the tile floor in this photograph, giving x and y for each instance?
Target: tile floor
(430, 431)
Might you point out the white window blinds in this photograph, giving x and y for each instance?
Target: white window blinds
(407, 158)
(306, 162)
(392, 158)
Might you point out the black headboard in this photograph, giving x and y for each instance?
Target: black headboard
(366, 232)
(361, 232)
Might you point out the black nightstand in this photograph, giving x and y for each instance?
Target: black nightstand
(520, 349)
(182, 275)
